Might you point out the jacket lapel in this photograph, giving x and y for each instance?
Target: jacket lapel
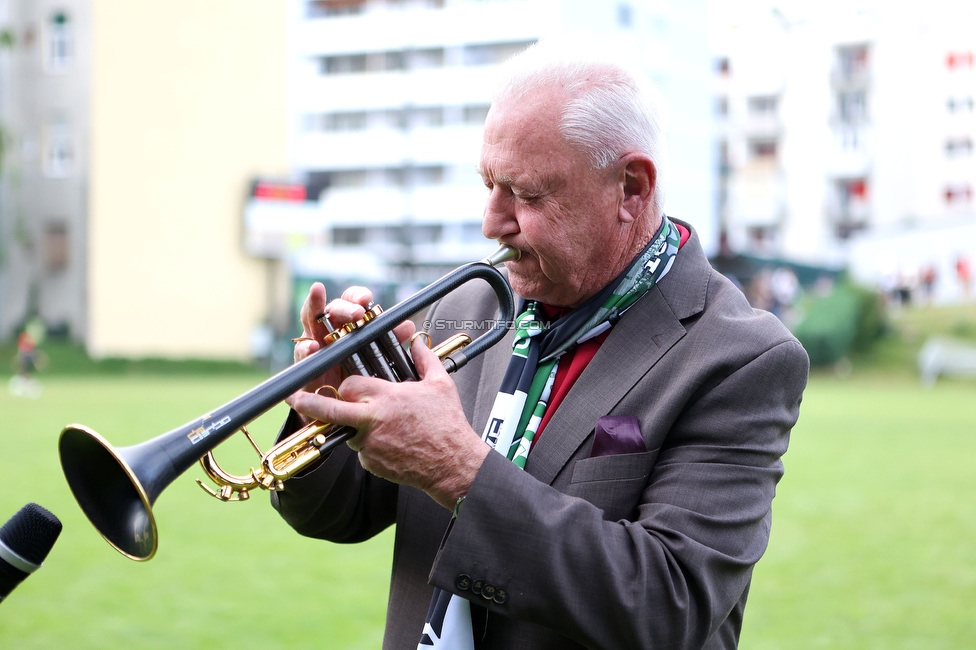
(646, 332)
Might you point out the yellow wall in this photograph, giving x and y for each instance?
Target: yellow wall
(188, 104)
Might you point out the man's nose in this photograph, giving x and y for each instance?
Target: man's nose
(499, 218)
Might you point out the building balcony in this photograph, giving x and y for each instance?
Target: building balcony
(848, 218)
(757, 195)
(851, 151)
(386, 147)
(850, 78)
(398, 28)
(434, 204)
(450, 85)
(762, 125)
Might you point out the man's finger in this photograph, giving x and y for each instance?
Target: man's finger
(303, 348)
(328, 409)
(427, 363)
(340, 312)
(404, 330)
(358, 295)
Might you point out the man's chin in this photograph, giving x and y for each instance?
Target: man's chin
(532, 288)
(524, 286)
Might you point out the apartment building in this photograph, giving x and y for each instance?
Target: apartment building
(182, 162)
(44, 113)
(132, 133)
(846, 131)
(388, 100)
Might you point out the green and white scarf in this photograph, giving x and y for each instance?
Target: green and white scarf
(525, 390)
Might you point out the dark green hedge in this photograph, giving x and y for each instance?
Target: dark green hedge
(848, 319)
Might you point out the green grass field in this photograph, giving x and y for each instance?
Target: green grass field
(872, 543)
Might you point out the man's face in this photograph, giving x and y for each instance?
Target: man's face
(546, 199)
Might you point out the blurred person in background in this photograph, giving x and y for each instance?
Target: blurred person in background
(602, 478)
(964, 273)
(27, 361)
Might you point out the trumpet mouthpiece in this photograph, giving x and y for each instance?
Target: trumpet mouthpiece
(505, 253)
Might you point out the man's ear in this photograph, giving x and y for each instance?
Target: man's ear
(639, 185)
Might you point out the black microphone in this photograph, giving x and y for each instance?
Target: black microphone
(25, 540)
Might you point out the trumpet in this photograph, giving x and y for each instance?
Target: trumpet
(117, 487)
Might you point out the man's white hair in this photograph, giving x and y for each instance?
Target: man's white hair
(612, 107)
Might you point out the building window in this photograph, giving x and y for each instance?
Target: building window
(762, 105)
(492, 53)
(853, 190)
(343, 64)
(852, 106)
(961, 194)
(60, 43)
(394, 176)
(762, 149)
(432, 116)
(392, 61)
(56, 246)
(625, 15)
(427, 175)
(960, 104)
(959, 147)
(59, 150)
(329, 8)
(852, 60)
(722, 106)
(959, 60)
(348, 236)
(471, 232)
(393, 119)
(349, 178)
(426, 234)
(852, 211)
(475, 114)
(761, 238)
(353, 121)
(426, 4)
(850, 138)
(426, 58)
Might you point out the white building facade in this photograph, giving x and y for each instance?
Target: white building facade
(389, 98)
(846, 131)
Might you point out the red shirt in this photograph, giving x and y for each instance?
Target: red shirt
(574, 360)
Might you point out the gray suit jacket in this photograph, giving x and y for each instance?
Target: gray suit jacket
(653, 549)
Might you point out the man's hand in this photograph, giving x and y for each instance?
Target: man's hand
(348, 309)
(412, 433)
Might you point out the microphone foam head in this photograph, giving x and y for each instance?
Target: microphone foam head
(31, 533)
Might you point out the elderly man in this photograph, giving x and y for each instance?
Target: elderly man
(604, 479)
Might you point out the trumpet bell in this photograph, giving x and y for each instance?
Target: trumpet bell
(109, 491)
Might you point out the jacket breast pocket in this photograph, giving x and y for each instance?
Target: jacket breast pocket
(613, 483)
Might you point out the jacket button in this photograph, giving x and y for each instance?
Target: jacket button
(463, 582)
(488, 592)
(476, 586)
(500, 596)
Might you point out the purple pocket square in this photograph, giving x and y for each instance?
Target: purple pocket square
(617, 434)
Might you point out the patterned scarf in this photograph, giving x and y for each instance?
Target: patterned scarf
(524, 394)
